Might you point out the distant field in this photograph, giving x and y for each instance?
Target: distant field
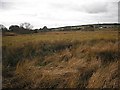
(59, 36)
(81, 59)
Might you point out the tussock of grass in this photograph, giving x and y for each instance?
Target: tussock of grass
(105, 77)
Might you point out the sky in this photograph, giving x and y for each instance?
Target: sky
(58, 13)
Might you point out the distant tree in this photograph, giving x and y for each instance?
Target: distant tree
(3, 28)
(36, 30)
(45, 28)
(26, 25)
(40, 30)
(14, 28)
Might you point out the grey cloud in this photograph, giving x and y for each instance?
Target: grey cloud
(119, 11)
(92, 8)
(5, 4)
(96, 8)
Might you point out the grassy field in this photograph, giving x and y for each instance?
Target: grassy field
(61, 60)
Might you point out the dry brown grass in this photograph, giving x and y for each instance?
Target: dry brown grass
(105, 77)
(65, 63)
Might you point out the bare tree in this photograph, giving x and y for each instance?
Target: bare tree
(26, 25)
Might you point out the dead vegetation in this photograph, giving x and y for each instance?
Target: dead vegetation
(62, 64)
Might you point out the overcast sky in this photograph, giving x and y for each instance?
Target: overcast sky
(57, 13)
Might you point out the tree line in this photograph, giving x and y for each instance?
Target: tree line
(23, 28)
